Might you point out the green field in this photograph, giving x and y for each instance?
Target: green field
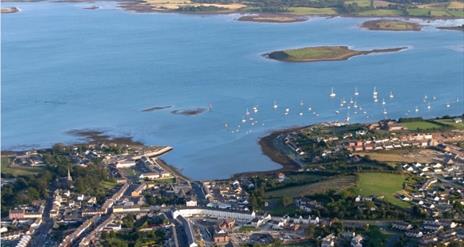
(423, 125)
(360, 3)
(107, 185)
(311, 11)
(380, 12)
(20, 171)
(336, 184)
(381, 184)
(450, 122)
(435, 12)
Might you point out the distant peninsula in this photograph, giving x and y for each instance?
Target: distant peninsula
(273, 18)
(322, 53)
(156, 108)
(454, 28)
(391, 25)
(9, 10)
(188, 112)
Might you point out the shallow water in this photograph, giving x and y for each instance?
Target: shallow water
(67, 68)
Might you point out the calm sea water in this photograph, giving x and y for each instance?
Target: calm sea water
(66, 68)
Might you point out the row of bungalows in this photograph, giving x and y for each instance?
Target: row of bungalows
(116, 196)
(450, 136)
(68, 240)
(290, 141)
(417, 140)
(155, 174)
(153, 152)
(21, 214)
(131, 209)
(26, 213)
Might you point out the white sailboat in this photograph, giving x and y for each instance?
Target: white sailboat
(375, 93)
(391, 95)
(255, 109)
(356, 93)
(275, 106)
(287, 110)
(332, 93)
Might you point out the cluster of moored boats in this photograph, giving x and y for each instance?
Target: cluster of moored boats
(349, 106)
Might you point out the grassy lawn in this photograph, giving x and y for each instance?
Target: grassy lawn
(318, 53)
(436, 12)
(382, 184)
(423, 125)
(336, 183)
(380, 12)
(418, 12)
(360, 3)
(456, 13)
(450, 122)
(311, 11)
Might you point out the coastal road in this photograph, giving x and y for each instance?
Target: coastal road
(197, 187)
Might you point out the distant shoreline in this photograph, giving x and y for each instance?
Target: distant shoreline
(9, 10)
(218, 8)
(453, 28)
(272, 18)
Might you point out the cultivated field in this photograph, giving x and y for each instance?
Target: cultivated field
(451, 123)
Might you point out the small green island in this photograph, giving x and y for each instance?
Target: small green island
(391, 25)
(272, 18)
(322, 53)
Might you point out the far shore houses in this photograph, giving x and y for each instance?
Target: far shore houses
(408, 140)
